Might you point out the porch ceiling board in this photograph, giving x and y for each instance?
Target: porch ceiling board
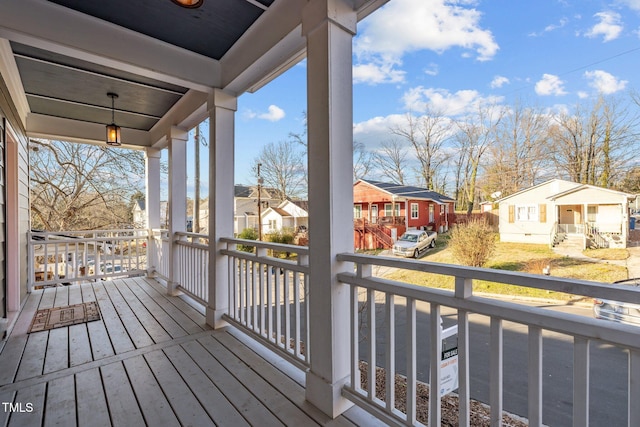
(190, 374)
(65, 55)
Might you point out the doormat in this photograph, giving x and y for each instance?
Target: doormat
(59, 317)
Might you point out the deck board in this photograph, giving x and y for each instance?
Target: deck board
(57, 356)
(60, 406)
(185, 404)
(122, 403)
(12, 352)
(99, 374)
(92, 410)
(118, 335)
(153, 403)
(131, 322)
(203, 388)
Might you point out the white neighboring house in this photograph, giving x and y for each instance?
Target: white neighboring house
(548, 212)
(246, 205)
(140, 214)
(287, 214)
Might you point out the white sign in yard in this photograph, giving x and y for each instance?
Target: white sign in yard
(449, 363)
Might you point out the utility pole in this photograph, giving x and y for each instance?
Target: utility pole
(259, 203)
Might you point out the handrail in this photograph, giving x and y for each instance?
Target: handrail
(268, 296)
(372, 295)
(57, 258)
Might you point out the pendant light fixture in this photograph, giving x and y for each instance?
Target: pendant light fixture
(113, 130)
(191, 4)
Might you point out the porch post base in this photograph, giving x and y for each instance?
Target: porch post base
(214, 318)
(172, 289)
(325, 396)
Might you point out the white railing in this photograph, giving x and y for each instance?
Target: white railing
(268, 296)
(160, 249)
(193, 265)
(396, 305)
(71, 256)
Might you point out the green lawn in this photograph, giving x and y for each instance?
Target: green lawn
(526, 258)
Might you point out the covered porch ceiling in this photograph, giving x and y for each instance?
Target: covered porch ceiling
(60, 58)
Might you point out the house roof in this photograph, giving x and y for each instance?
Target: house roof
(570, 187)
(581, 187)
(409, 191)
(281, 212)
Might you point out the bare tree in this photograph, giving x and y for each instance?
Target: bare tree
(362, 161)
(476, 133)
(81, 186)
(520, 152)
(427, 134)
(593, 142)
(282, 167)
(392, 160)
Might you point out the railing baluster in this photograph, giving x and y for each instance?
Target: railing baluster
(495, 371)
(535, 376)
(371, 337)
(390, 365)
(581, 362)
(287, 310)
(464, 394)
(435, 407)
(279, 302)
(411, 360)
(296, 309)
(356, 383)
(634, 388)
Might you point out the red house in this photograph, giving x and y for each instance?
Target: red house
(382, 211)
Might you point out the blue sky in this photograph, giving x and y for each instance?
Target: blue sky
(452, 55)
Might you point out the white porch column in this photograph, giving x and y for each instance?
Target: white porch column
(222, 107)
(177, 140)
(329, 26)
(152, 204)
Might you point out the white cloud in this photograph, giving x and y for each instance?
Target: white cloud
(273, 114)
(499, 81)
(632, 4)
(582, 94)
(604, 82)
(420, 99)
(551, 27)
(377, 73)
(550, 85)
(432, 70)
(438, 25)
(609, 26)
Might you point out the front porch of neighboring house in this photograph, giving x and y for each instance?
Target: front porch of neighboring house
(596, 225)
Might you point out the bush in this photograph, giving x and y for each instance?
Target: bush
(248, 234)
(283, 236)
(472, 243)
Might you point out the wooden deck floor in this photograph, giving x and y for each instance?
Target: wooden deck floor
(150, 360)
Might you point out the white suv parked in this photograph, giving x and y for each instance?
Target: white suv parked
(414, 242)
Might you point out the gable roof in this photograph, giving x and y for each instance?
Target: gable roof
(568, 188)
(409, 191)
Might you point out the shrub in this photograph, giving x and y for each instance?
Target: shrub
(247, 234)
(283, 236)
(472, 243)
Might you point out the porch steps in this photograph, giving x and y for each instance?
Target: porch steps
(571, 241)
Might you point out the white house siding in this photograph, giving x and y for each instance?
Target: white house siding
(19, 170)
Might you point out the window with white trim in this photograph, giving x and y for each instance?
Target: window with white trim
(357, 211)
(414, 211)
(432, 213)
(526, 212)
